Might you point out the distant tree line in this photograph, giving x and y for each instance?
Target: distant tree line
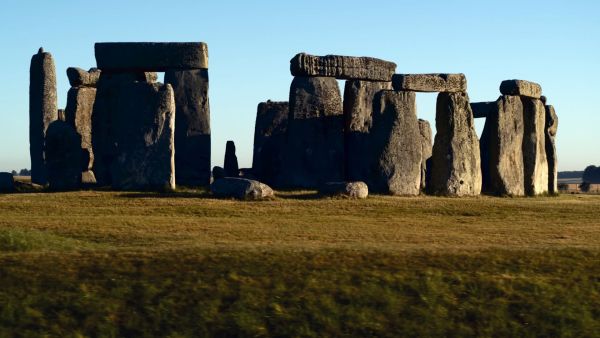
(22, 172)
(591, 174)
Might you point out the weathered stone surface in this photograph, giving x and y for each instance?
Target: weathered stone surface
(145, 138)
(104, 113)
(315, 141)
(501, 147)
(342, 67)
(535, 163)
(269, 140)
(231, 166)
(426, 149)
(430, 82)
(359, 102)
(61, 115)
(63, 156)
(551, 155)
(7, 182)
(455, 161)
(83, 78)
(358, 190)
(43, 110)
(151, 56)
(483, 109)
(88, 178)
(395, 145)
(240, 188)
(522, 88)
(218, 173)
(192, 121)
(78, 113)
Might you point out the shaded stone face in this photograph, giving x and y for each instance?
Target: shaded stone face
(455, 161)
(501, 148)
(315, 141)
(240, 188)
(82, 78)
(151, 56)
(43, 110)
(342, 67)
(359, 102)
(7, 183)
(104, 113)
(426, 149)
(144, 130)
(483, 109)
(551, 155)
(192, 121)
(231, 166)
(63, 156)
(269, 140)
(535, 163)
(522, 88)
(430, 82)
(395, 145)
(78, 113)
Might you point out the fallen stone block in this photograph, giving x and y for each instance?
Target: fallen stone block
(240, 188)
(455, 162)
(521, 88)
(151, 56)
(395, 156)
(342, 67)
(450, 83)
(83, 78)
(218, 173)
(358, 190)
(192, 121)
(145, 138)
(43, 110)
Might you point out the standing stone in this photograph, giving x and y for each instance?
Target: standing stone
(535, 163)
(430, 82)
(551, 129)
(103, 117)
(192, 121)
(43, 110)
(269, 139)
(144, 129)
(359, 102)
(501, 148)
(63, 156)
(315, 139)
(342, 67)
(455, 162)
(426, 149)
(395, 145)
(80, 104)
(231, 166)
(82, 78)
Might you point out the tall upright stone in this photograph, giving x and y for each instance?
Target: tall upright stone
(63, 156)
(232, 169)
(78, 113)
(359, 102)
(551, 155)
(395, 145)
(192, 132)
(426, 149)
(315, 140)
(105, 112)
(43, 110)
(144, 131)
(455, 162)
(501, 147)
(535, 163)
(269, 140)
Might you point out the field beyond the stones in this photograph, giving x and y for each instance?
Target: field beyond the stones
(98, 263)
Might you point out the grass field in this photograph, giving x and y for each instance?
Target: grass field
(182, 264)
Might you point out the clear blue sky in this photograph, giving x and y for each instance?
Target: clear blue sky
(554, 43)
